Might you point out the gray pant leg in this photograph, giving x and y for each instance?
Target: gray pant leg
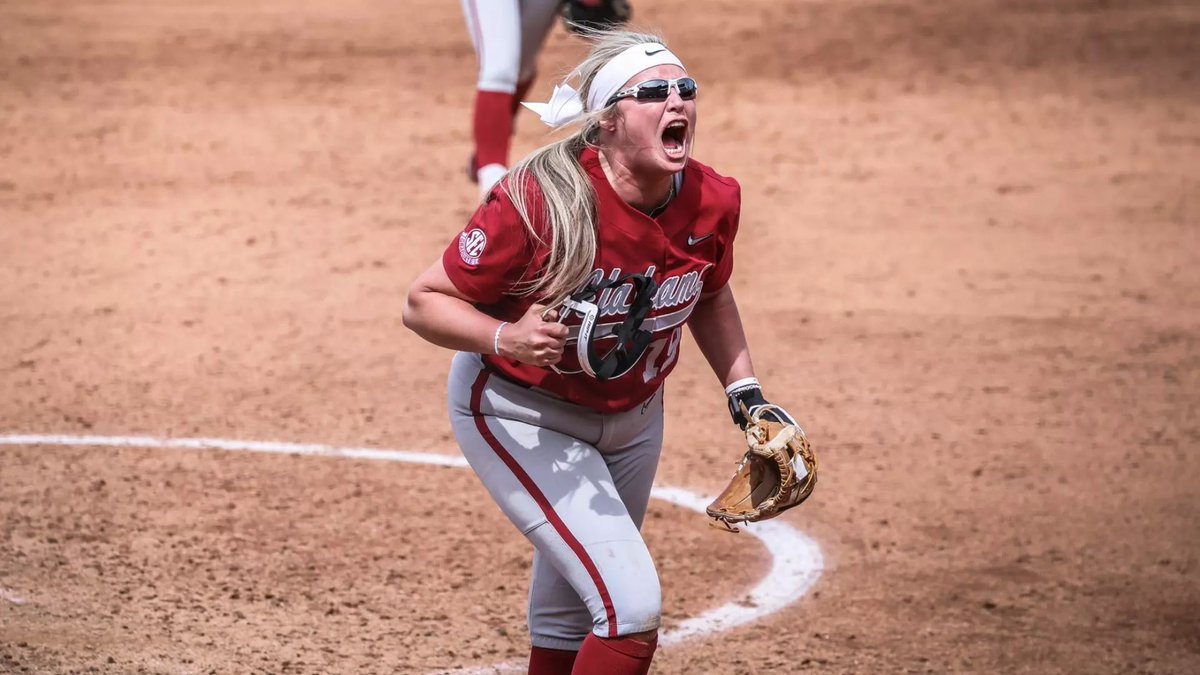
(558, 617)
(561, 619)
(495, 28)
(558, 490)
(537, 16)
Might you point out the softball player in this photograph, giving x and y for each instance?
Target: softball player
(565, 296)
(507, 34)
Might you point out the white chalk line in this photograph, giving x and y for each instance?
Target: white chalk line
(796, 563)
(244, 446)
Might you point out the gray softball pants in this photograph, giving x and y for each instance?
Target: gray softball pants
(575, 482)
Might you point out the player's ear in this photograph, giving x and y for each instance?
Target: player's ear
(608, 122)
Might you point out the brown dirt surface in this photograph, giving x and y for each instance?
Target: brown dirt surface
(969, 261)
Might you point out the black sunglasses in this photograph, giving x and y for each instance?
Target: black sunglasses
(657, 90)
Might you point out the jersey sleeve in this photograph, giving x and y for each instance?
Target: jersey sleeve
(726, 232)
(492, 252)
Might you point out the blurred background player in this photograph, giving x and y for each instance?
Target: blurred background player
(508, 35)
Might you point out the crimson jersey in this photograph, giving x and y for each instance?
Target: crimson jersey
(687, 250)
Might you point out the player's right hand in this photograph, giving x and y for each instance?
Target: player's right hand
(533, 339)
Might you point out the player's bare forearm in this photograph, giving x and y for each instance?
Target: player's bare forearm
(717, 329)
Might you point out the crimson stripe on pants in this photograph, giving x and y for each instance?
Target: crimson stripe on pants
(536, 493)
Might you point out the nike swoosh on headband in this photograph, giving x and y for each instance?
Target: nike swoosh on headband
(649, 51)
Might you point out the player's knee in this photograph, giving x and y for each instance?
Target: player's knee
(500, 78)
(637, 608)
(645, 637)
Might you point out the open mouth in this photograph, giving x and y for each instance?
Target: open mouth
(674, 138)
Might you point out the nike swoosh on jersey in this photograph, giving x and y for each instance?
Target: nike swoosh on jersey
(692, 241)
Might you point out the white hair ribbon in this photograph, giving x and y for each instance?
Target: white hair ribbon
(563, 107)
(566, 106)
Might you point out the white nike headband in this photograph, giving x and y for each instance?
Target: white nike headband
(565, 105)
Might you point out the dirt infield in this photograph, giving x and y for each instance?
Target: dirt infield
(969, 261)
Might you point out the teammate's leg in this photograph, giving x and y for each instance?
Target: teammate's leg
(495, 28)
(537, 18)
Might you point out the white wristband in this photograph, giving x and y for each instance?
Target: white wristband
(496, 338)
(742, 383)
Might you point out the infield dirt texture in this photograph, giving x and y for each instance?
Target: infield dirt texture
(969, 261)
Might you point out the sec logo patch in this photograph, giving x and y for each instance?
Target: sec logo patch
(471, 245)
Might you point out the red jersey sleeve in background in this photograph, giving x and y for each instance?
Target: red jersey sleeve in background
(492, 253)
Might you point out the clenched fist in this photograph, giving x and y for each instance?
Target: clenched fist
(537, 338)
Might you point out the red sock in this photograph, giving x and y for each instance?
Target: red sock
(543, 661)
(493, 126)
(619, 656)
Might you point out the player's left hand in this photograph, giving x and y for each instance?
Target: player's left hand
(751, 396)
(777, 471)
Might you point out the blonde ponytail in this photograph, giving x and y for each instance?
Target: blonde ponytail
(569, 200)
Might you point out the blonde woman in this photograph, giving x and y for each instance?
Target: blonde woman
(565, 296)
